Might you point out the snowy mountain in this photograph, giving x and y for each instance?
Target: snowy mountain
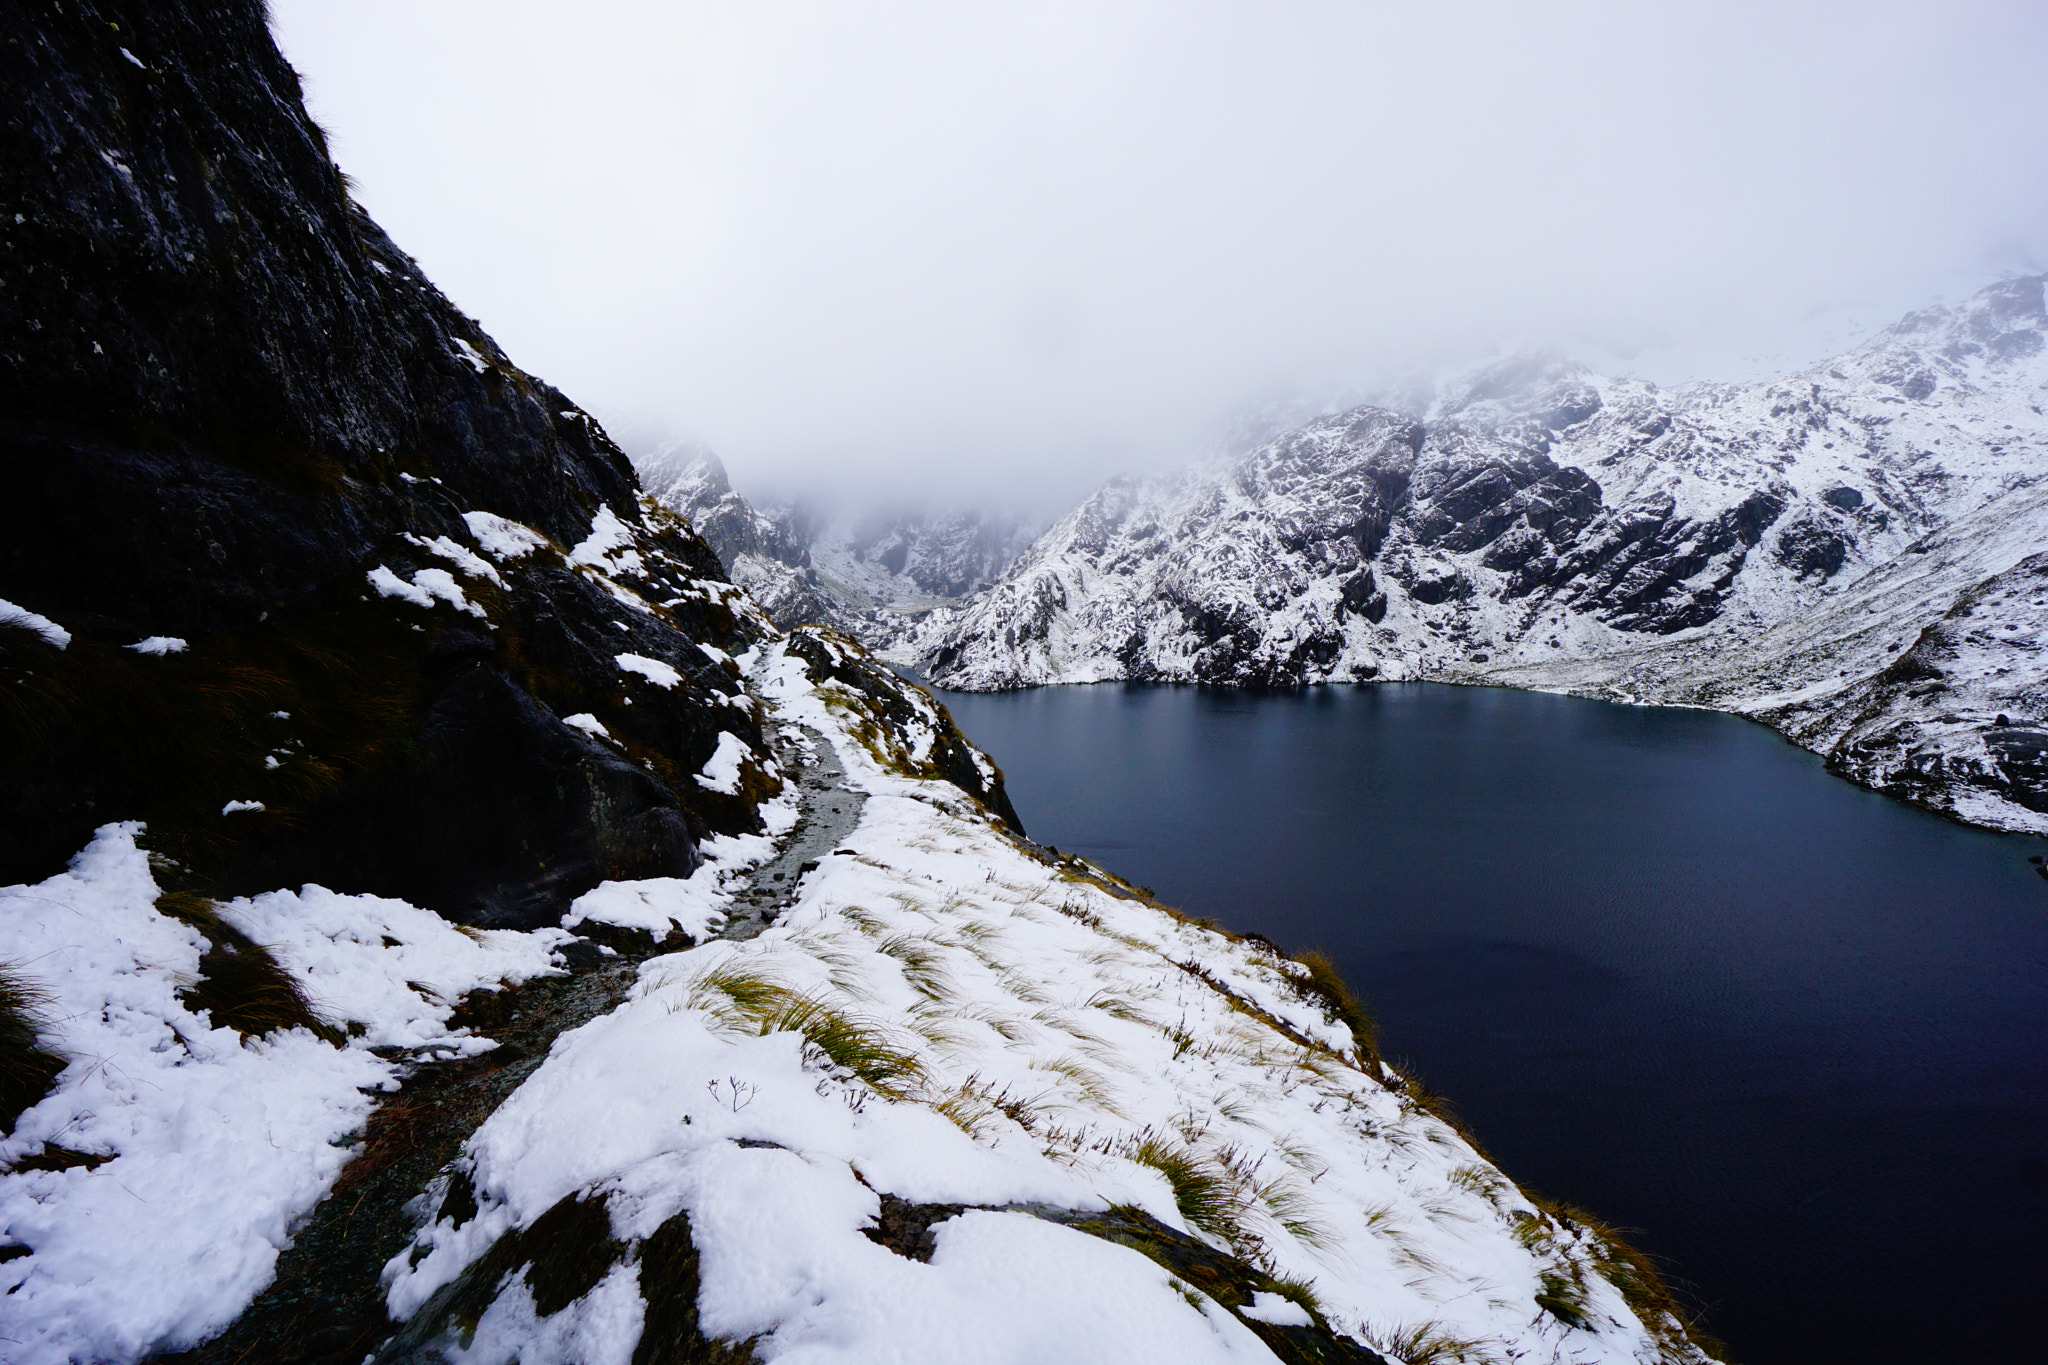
(871, 575)
(1849, 553)
(446, 921)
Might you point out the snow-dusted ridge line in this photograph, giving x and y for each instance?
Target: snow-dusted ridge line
(1773, 549)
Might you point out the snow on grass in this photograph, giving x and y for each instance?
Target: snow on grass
(394, 969)
(427, 587)
(11, 615)
(945, 1016)
(159, 644)
(721, 771)
(1270, 1307)
(654, 670)
(609, 548)
(214, 1146)
(240, 807)
(501, 536)
(694, 904)
(463, 558)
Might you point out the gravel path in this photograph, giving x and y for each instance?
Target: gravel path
(828, 810)
(325, 1306)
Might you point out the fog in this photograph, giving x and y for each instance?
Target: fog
(957, 251)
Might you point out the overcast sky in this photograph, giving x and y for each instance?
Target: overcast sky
(966, 250)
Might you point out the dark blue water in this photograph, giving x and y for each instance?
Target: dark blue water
(1668, 968)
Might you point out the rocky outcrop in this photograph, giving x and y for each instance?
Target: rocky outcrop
(1769, 548)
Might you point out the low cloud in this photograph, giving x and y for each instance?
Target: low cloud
(978, 251)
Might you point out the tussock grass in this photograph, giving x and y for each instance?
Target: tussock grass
(1090, 1084)
(1427, 1343)
(968, 1109)
(1118, 1006)
(1020, 985)
(1294, 1211)
(867, 921)
(241, 985)
(1561, 1292)
(922, 967)
(1296, 1290)
(1202, 1190)
(759, 1003)
(1632, 1273)
(1008, 1029)
(1483, 1181)
(1325, 986)
(27, 1069)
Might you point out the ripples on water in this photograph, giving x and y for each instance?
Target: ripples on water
(1667, 967)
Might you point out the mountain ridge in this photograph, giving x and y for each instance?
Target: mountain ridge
(1775, 549)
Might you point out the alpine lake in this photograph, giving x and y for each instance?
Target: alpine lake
(1790, 1034)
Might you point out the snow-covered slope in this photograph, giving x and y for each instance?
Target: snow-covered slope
(873, 576)
(963, 1099)
(1775, 549)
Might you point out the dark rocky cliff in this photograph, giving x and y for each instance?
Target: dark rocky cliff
(233, 414)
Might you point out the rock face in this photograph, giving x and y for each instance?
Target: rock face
(1773, 548)
(873, 576)
(329, 589)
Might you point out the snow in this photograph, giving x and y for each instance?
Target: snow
(391, 967)
(1055, 1027)
(783, 1258)
(601, 1328)
(1033, 1040)
(588, 724)
(654, 670)
(237, 807)
(460, 556)
(11, 615)
(502, 537)
(694, 904)
(218, 1146)
(1270, 1307)
(159, 644)
(610, 546)
(427, 587)
(722, 771)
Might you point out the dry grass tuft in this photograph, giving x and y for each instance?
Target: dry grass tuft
(27, 1070)
(1428, 1343)
(1324, 986)
(758, 1002)
(241, 986)
(1203, 1190)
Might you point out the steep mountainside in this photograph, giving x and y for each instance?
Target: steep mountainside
(1843, 553)
(300, 568)
(872, 576)
(450, 923)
